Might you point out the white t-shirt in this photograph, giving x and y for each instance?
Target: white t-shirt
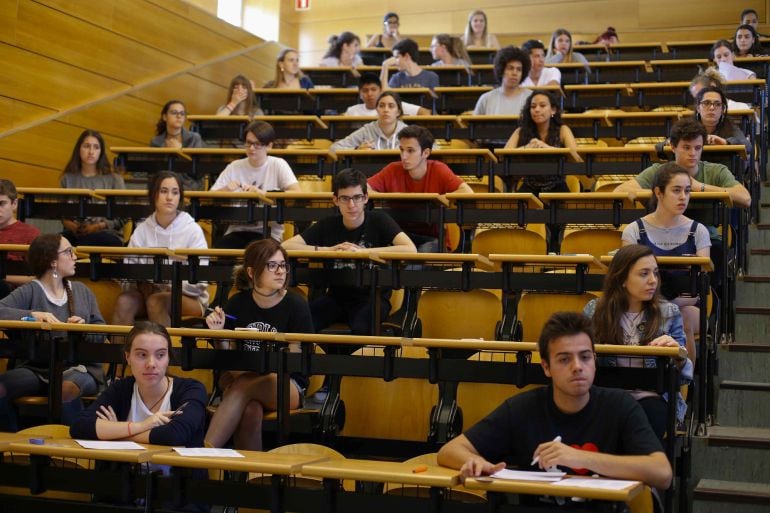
(668, 238)
(549, 74)
(273, 175)
(359, 109)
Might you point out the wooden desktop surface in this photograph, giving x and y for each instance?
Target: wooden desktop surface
(541, 488)
(69, 448)
(253, 461)
(383, 471)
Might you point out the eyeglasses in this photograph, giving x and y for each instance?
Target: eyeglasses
(70, 251)
(177, 113)
(389, 22)
(358, 198)
(274, 266)
(706, 104)
(253, 144)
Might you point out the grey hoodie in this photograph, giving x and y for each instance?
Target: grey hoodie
(370, 132)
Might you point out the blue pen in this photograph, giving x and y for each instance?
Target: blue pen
(227, 316)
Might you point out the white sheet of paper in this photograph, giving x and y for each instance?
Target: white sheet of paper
(207, 452)
(593, 482)
(522, 475)
(115, 446)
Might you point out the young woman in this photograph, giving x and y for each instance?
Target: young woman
(712, 77)
(746, 42)
(541, 126)
(149, 406)
(711, 110)
(449, 51)
(389, 35)
(632, 312)
(722, 55)
(167, 227)
(88, 168)
(608, 37)
(51, 297)
(560, 49)
(263, 304)
(170, 131)
(241, 100)
(287, 72)
(668, 232)
(381, 134)
(476, 33)
(343, 51)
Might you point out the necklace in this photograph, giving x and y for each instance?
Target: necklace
(273, 293)
(168, 384)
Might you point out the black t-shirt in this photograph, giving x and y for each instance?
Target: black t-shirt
(377, 230)
(612, 423)
(291, 315)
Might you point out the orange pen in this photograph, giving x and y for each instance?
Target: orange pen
(420, 468)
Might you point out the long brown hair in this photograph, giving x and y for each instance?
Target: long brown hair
(279, 78)
(43, 251)
(256, 256)
(74, 164)
(614, 301)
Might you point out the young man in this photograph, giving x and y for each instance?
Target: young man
(258, 172)
(750, 17)
(511, 66)
(12, 231)
(416, 173)
(355, 229)
(571, 424)
(369, 89)
(410, 74)
(687, 138)
(539, 74)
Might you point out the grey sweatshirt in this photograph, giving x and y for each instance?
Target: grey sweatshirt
(370, 132)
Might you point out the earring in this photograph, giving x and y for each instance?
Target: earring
(281, 69)
(55, 274)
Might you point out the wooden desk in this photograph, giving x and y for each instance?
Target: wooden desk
(601, 208)
(143, 159)
(252, 461)
(69, 448)
(622, 51)
(6, 439)
(455, 100)
(627, 495)
(494, 207)
(229, 130)
(285, 101)
(453, 76)
(383, 472)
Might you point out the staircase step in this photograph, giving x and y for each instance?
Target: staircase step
(745, 385)
(760, 251)
(733, 436)
(744, 362)
(719, 459)
(746, 348)
(753, 310)
(755, 279)
(763, 226)
(732, 491)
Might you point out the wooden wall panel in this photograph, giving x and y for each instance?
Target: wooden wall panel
(29, 175)
(127, 117)
(16, 113)
(258, 70)
(79, 43)
(199, 95)
(694, 13)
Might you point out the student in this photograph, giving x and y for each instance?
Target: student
(550, 423)
(241, 100)
(149, 406)
(668, 232)
(511, 66)
(746, 42)
(258, 172)
(560, 49)
(262, 304)
(379, 134)
(12, 231)
(369, 89)
(721, 54)
(712, 77)
(167, 227)
(632, 312)
(357, 229)
(711, 110)
(406, 55)
(170, 131)
(343, 51)
(389, 35)
(607, 38)
(287, 72)
(750, 17)
(51, 297)
(449, 51)
(539, 74)
(476, 32)
(415, 173)
(89, 168)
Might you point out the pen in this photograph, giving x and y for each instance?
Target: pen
(179, 410)
(227, 316)
(420, 468)
(536, 459)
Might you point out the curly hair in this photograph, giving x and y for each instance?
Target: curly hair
(508, 54)
(529, 129)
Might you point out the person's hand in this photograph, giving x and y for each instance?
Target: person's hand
(366, 145)
(172, 143)
(536, 143)
(251, 188)
(238, 96)
(160, 418)
(390, 62)
(551, 454)
(233, 185)
(715, 139)
(216, 319)
(347, 246)
(87, 228)
(71, 225)
(695, 185)
(44, 317)
(105, 412)
(664, 341)
(477, 466)
(76, 319)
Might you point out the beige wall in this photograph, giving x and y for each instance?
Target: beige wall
(517, 20)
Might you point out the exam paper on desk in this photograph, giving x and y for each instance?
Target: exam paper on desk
(111, 445)
(521, 475)
(207, 452)
(592, 482)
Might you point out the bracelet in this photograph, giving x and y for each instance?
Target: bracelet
(129, 429)
(702, 187)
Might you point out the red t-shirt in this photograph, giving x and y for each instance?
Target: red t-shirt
(18, 233)
(438, 179)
